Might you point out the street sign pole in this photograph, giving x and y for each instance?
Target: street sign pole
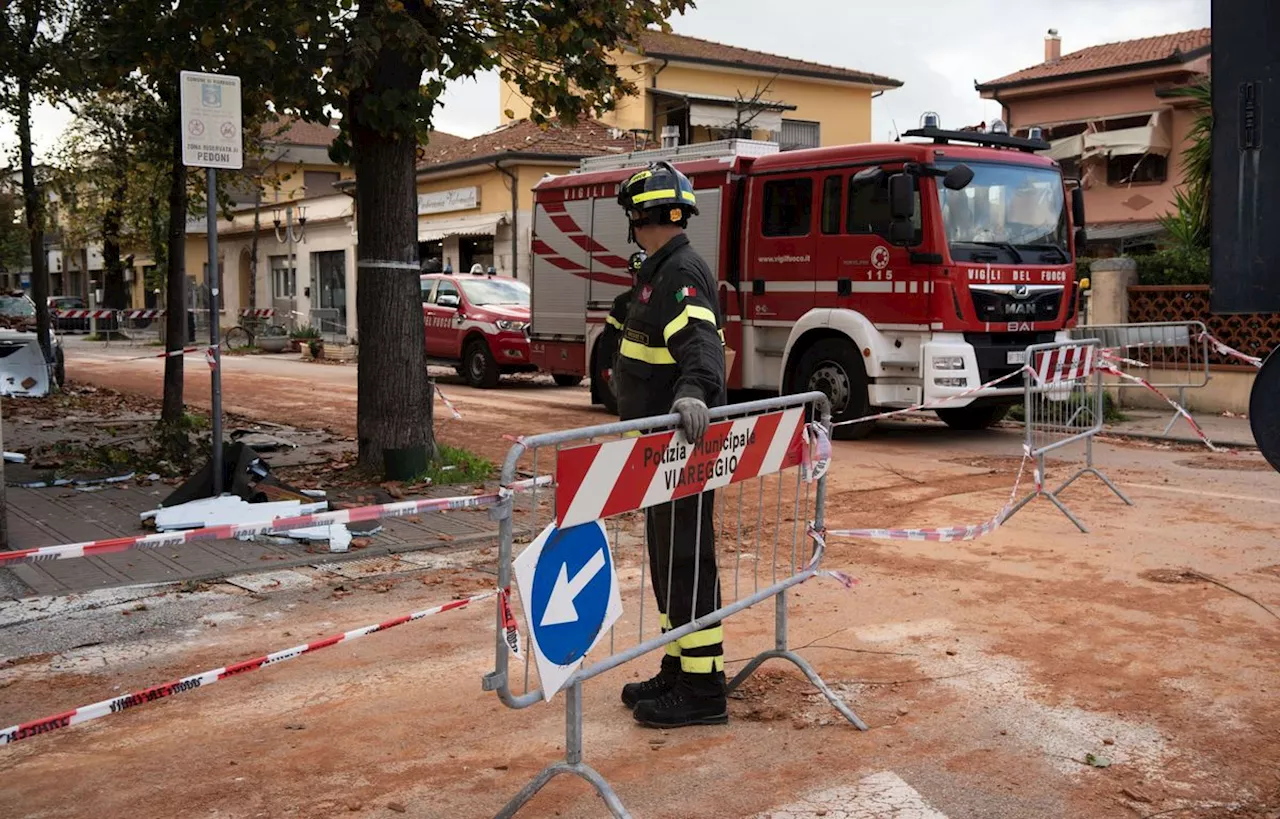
(215, 285)
(211, 139)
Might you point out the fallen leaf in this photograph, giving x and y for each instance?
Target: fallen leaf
(1137, 795)
(1097, 761)
(397, 807)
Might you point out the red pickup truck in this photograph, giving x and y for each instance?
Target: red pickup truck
(478, 325)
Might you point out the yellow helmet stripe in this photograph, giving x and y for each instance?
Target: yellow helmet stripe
(649, 196)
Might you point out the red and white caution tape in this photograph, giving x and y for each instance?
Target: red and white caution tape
(83, 314)
(510, 626)
(1178, 408)
(141, 314)
(457, 416)
(115, 705)
(1230, 352)
(947, 534)
(935, 404)
(261, 312)
(211, 358)
(233, 530)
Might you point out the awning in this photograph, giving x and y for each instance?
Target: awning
(714, 111)
(1065, 148)
(480, 224)
(1113, 231)
(1152, 138)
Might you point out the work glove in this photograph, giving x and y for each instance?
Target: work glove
(694, 418)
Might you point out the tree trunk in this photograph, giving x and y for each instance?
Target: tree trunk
(33, 200)
(115, 295)
(395, 402)
(176, 278)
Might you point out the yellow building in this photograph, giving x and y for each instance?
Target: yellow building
(693, 90)
(475, 196)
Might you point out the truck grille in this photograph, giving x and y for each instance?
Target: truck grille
(1008, 303)
(992, 351)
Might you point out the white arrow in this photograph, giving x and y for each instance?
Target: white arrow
(560, 608)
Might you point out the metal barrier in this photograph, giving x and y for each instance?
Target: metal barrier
(1171, 355)
(142, 328)
(1063, 405)
(760, 516)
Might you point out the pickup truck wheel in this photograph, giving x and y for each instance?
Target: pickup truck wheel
(566, 380)
(971, 418)
(602, 383)
(481, 369)
(60, 368)
(833, 367)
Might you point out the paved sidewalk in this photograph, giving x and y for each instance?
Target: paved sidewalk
(1221, 429)
(47, 517)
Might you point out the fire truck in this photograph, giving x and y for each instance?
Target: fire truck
(885, 275)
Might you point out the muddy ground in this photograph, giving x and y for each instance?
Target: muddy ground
(1038, 672)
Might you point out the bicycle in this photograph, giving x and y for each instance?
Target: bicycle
(251, 327)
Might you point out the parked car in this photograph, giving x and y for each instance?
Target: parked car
(478, 325)
(68, 325)
(17, 358)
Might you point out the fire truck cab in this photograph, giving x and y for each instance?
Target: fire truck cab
(885, 275)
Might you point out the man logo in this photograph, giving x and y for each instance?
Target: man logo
(1021, 291)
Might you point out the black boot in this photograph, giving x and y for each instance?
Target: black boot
(635, 693)
(696, 699)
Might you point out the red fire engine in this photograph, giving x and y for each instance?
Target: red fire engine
(885, 275)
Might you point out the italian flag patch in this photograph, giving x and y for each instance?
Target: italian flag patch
(686, 293)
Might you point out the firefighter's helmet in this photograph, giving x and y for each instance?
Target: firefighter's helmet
(658, 195)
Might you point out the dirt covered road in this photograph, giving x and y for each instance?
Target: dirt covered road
(1038, 672)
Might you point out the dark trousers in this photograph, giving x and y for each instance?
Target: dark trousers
(682, 542)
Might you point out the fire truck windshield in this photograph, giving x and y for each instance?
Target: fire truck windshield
(481, 292)
(1007, 214)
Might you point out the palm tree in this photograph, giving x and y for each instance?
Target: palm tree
(1189, 224)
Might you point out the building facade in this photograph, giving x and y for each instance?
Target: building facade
(1115, 120)
(693, 90)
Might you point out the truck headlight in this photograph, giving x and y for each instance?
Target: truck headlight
(948, 362)
(951, 382)
(514, 326)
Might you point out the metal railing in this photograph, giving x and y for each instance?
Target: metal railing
(1063, 405)
(1172, 356)
(761, 517)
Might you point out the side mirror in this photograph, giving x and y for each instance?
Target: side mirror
(448, 300)
(958, 178)
(1082, 236)
(1077, 207)
(902, 196)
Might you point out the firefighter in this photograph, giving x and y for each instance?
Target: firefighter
(611, 338)
(671, 360)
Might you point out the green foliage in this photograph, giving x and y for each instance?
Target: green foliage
(1177, 265)
(456, 465)
(15, 248)
(305, 332)
(1189, 225)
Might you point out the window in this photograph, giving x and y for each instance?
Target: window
(1121, 170)
(831, 190)
(320, 183)
(475, 250)
(798, 134)
(788, 207)
(869, 208)
(330, 292)
(284, 282)
(1070, 168)
(428, 291)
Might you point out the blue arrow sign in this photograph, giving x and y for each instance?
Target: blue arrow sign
(572, 585)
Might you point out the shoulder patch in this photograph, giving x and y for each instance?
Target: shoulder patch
(686, 292)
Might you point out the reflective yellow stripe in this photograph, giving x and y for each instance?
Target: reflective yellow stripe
(613, 322)
(647, 196)
(701, 665)
(635, 433)
(640, 176)
(650, 355)
(691, 311)
(704, 638)
(722, 336)
(688, 196)
(664, 621)
(673, 649)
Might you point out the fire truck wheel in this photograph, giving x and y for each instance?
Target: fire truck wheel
(1264, 410)
(970, 418)
(832, 367)
(482, 370)
(566, 380)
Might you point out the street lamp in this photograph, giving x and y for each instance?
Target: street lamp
(286, 234)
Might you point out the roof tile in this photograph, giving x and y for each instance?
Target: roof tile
(585, 138)
(1110, 56)
(676, 46)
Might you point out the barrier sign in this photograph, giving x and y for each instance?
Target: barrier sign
(600, 480)
(570, 592)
